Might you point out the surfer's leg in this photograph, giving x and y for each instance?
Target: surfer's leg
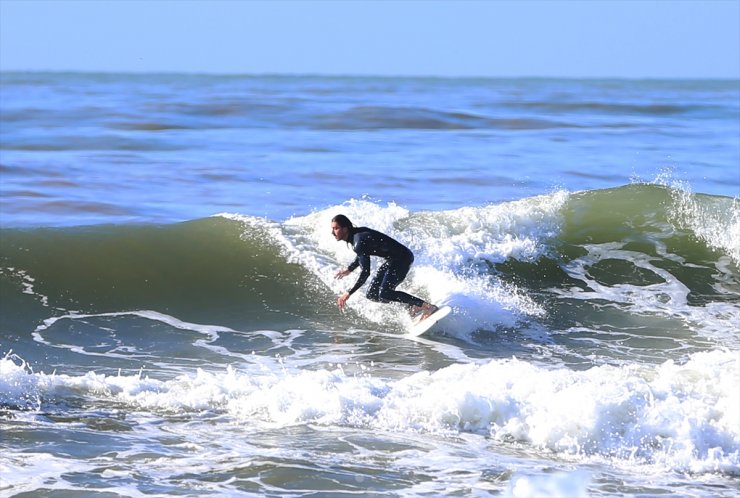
(393, 275)
(373, 293)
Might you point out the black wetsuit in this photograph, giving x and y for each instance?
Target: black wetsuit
(367, 242)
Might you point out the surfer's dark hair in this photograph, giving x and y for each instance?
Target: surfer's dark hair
(342, 221)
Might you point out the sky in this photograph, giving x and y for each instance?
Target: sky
(494, 38)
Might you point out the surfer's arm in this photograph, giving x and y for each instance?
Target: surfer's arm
(354, 264)
(364, 263)
(362, 278)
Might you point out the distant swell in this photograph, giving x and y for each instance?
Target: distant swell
(100, 143)
(608, 108)
(381, 117)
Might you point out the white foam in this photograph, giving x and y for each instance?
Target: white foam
(679, 417)
(714, 220)
(27, 283)
(556, 485)
(668, 298)
(211, 332)
(31, 471)
(18, 385)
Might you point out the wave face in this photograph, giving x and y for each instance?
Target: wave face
(636, 251)
(208, 264)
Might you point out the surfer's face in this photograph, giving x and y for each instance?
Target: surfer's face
(339, 232)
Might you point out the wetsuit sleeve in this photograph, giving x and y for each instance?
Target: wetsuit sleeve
(354, 264)
(364, 263)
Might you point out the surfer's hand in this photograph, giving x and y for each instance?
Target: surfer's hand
(342, 273)
(342, 300)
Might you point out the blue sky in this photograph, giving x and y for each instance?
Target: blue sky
(586, 38)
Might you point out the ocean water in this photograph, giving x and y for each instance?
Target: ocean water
(168, 319)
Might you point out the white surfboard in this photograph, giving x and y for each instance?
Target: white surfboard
(423, 326)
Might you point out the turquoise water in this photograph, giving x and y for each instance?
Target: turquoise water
(168, 324)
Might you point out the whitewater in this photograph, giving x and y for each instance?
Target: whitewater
(168, 318)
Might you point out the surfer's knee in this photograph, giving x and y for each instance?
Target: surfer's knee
(374, 295)
(386, 295)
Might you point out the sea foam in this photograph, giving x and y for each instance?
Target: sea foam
(683, 418)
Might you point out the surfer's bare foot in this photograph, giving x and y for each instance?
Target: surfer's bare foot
(427, 309)
(415, 311)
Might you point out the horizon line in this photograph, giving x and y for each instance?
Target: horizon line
(123, 72)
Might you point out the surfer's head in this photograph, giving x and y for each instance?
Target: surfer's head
(341, 227)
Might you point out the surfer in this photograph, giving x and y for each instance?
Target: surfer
(367, 242)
